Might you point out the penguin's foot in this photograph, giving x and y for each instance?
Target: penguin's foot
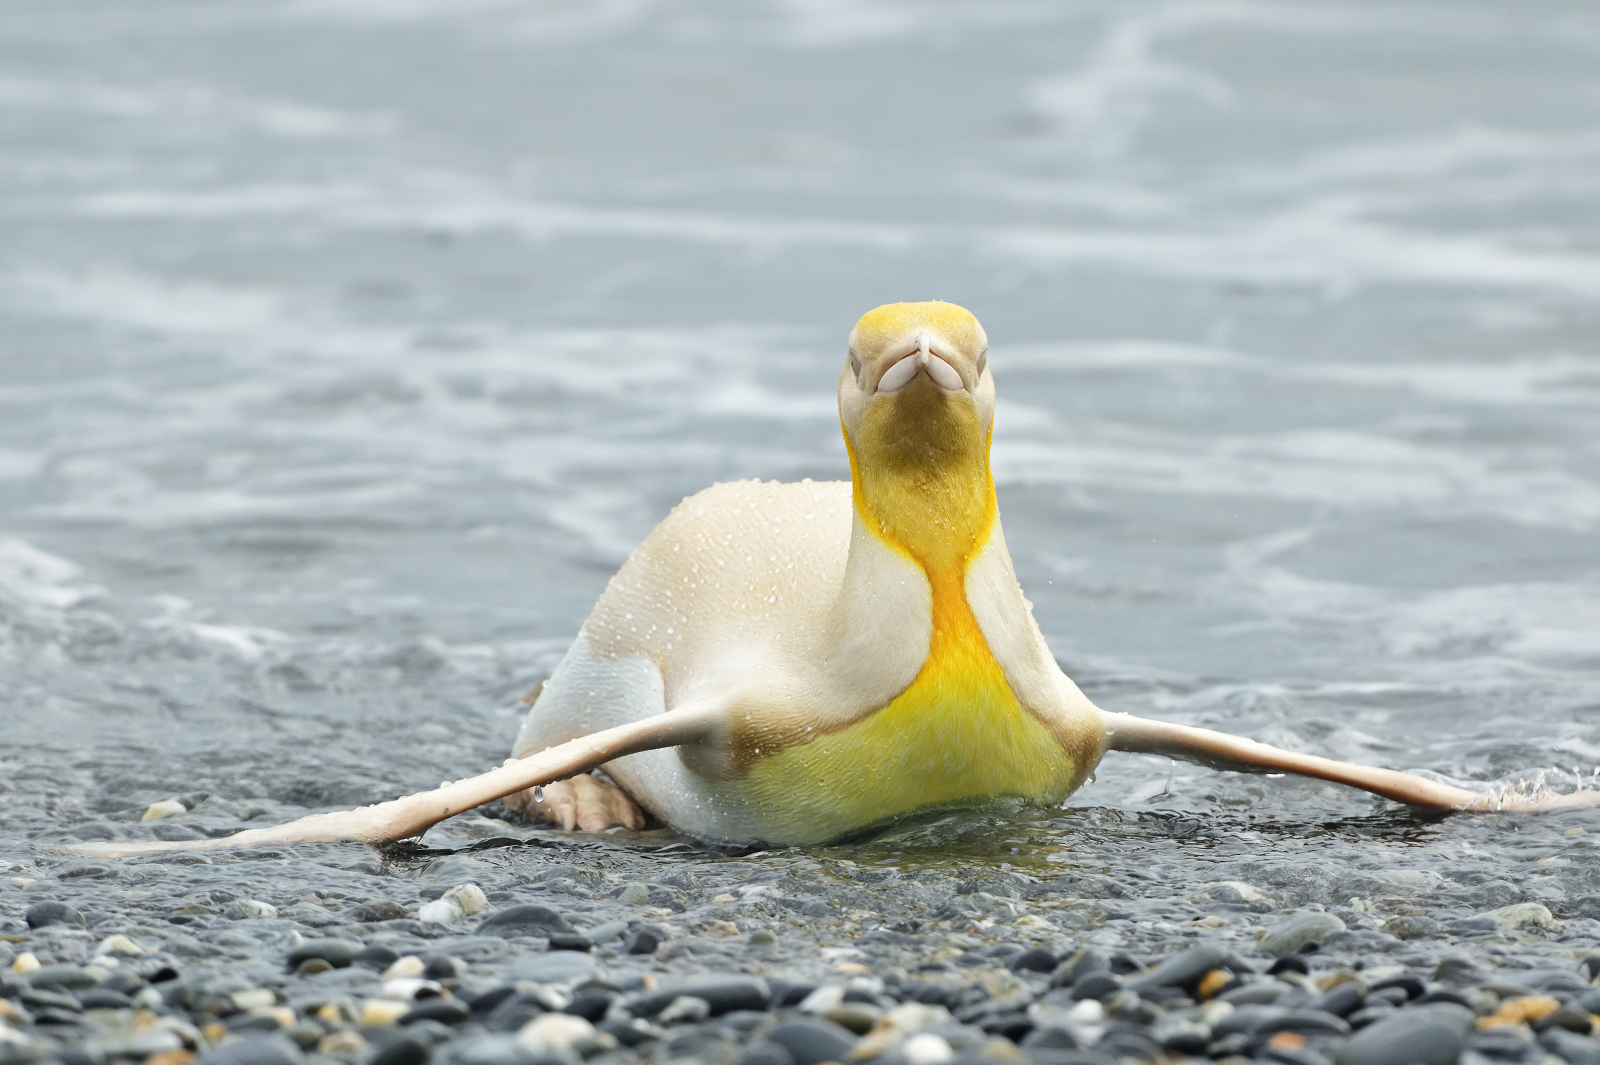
(585, 802)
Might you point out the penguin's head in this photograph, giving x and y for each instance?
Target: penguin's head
(916, 386)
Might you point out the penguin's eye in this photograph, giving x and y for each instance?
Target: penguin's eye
(983, 360)
(855, 365)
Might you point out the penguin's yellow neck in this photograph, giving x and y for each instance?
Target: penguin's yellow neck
(920, 474)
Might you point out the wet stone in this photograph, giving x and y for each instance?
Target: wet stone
(1077, 966)
(529, 919)
(811, 1042)
(336, 953)
(1183, 970)
(50, 912)
(721, 994)
(443, 1010)
(1420, 1035)
(1037, 960)
(372, 912)
(1411, 927)
(63, 977)
(1308, 926)
(1096, 985)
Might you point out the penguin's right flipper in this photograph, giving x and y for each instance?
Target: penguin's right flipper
(412, 815)
(1218, 750)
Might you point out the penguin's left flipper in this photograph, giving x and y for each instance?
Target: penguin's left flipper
(412, 815)
(1218, 750)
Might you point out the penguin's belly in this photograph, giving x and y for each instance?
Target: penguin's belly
(956, 735)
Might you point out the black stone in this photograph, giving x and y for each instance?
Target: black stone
(1037, 960)
(570, 941)
(49, 912)
(1289, 963)
(591, 1006)
(1184, 970)
(515, 1011)
(253, 1050)
(1576, 1049)
(1420, 1035)
(1340, 1001)
(1590, 967)
(1369, 1015)
(1077, 966)
(1409, 984)
(443, 1010)
(1097, 985)
(811, 1042)
(1305, 1022)
(792, 994)
(405, 1051)
(1122, 1043)
(339, 953)
(1124, 964)
(487, 1001)
(443, 967)
(1573, 1020)
(376, 958)
(643, 941)
(527, 919)
(1442, 994)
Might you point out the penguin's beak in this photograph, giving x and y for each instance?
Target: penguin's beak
(922, 359)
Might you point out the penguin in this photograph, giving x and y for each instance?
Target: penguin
(789, 664)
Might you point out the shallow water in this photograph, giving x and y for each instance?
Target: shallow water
(348, 347)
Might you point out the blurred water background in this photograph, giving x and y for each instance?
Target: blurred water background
(347, 347)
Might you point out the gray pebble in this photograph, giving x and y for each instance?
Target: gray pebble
(1307, 926)
(1411, 927)
(63, 977)
(1182, 970)
(1420, 1035)
(721, 993)
(685, 1009)
(49, 912)
(811, 1042)
(530, 919)
(339, 953)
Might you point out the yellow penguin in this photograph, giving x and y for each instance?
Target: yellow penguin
(789, 663)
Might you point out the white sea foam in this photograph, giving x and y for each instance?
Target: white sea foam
(41, 579)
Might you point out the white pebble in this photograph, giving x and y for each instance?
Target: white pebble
(26, 963)
(164, 809)
(925, 1048)
(407, 989)
(458, 902)
(823, 999)
(554, 1033)
(118, 944)
(406, 968)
